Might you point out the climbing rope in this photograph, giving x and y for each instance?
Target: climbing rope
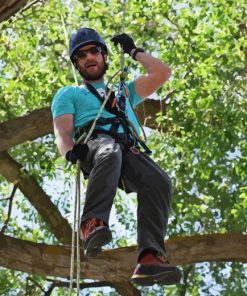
(76, 220)
(124, 71)
(77, 202)
(75, 241)
(123, 30)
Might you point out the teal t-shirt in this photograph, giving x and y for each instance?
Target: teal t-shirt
(80, 102)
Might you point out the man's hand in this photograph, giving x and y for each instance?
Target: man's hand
(79, 151)
(125, 41)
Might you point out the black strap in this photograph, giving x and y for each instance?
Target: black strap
(118, 109)
(110, 104)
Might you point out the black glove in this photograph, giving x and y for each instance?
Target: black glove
(125, 41)
(79, 151)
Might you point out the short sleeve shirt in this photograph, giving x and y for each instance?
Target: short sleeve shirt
(84, 106)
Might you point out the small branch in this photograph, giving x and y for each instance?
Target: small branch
(6, 198)
(9, 210)
(32, 4)
(29, 279)
(60, 284)
(170, 93)
(186, 275)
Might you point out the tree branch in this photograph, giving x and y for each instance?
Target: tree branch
(117, 265)
(9, 8)
(39, 123)
(9, 210)
(61, 284)
(29, 279)
(12, 171)
(26, 128)
(186, 273)
(123, 288)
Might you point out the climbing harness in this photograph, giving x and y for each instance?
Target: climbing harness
(117, 107)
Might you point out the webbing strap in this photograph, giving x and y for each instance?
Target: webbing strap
(110, 104)
(118, 109)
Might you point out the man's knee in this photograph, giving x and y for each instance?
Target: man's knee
(164, 184)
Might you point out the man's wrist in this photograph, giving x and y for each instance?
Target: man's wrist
(135, 52)
(71, 157)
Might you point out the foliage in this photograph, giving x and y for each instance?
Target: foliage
(203, 140)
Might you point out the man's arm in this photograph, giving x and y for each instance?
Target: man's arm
(157, 71)
(63, 130)
(157, 74)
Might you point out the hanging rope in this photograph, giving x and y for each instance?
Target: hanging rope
(77, 222)
(123, 29)
(75, 241)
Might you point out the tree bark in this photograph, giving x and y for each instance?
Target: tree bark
(117, 265)
(10, 7)
(39, 123)
(26, 128)
(11, 171)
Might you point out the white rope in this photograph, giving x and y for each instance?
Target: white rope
(76, 216)
(75, 241)
(72, 257)
(123, 29)
(100, 110)
(78, 203)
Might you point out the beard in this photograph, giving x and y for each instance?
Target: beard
(94, 76)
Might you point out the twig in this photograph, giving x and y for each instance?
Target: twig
(10, 209)
(31, 4)
(28, 286)
(170, 93)
(186, 284)
(6, 198)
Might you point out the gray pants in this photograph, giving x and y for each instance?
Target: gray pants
(106, 163)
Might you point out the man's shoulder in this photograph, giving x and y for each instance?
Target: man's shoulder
(69, 91)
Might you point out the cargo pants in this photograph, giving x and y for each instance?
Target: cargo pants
(105, 164)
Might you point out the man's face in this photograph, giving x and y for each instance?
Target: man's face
(90, 61)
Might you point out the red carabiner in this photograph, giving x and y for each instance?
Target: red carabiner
(134, 150)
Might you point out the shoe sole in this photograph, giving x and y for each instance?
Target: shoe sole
(168, 278)
(100, 238)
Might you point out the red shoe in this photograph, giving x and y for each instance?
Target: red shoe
(95, 234)
(153, 269)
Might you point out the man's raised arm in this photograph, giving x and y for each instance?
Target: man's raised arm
(157, 72)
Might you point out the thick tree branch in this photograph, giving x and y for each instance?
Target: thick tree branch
(39, 123)
(117, 265)
(26, 128)
(9, 8)
(11, 171)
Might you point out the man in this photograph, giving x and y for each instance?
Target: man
(112, 155)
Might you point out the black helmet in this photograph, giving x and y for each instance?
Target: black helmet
(82, 37)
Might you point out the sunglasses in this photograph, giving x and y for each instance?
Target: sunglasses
(82, 54)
